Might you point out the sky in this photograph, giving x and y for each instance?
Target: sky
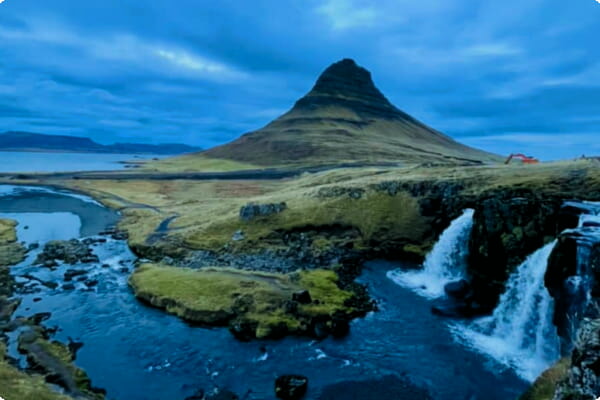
(506, 76)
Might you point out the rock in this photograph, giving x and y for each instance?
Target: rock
(33, 246)
(302, 297)
(238, 236)
(291, 387)
(124, 270)
(91, 283)
(340, 326)
(73, 273)
(508, 226)
(71, 252)
(37, 299)
(459, 289)
(105, 266)
(583, 378)
(252, 211)
(74, 347)
(68, 286)
(50, 264)
(572, 277)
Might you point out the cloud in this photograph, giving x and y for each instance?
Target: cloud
(348, 14)
(205, 72)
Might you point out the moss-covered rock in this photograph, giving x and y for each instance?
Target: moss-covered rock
(252, 304)
(55, 361)
(11, 251)
(545, 386)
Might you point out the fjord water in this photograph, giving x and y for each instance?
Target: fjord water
(24, 162)
(446, 262)
(139, 353)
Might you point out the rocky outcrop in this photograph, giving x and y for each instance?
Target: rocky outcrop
(573, 274)
(71, 252)
(55, 361)
(508, 226)
(252, 211)
(583, 379)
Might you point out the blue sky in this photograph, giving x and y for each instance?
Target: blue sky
(506, 75)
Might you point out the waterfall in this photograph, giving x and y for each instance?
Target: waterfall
(520, 333)
(445, 263)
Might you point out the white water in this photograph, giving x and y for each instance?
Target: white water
(520, 333)
(445, 263)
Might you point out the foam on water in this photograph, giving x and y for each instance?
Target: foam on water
(445, 263)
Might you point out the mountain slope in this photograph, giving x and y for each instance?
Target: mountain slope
(345, 118)
(26, 141)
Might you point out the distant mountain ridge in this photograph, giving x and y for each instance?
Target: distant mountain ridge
(346, 119)
(27, 141)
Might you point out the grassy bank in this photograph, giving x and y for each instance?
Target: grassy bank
(265, 305)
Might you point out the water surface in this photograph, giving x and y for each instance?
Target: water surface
(64, 162)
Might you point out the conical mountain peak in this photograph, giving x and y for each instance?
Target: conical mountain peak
(347, 83)
(345, 118)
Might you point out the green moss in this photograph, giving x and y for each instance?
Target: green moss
(11, 252)
(322, 285)
(15, 384)
(377, 217)
(217, 296)
(56, 360)
(545, 386)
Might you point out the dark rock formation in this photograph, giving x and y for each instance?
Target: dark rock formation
(583, 380)
(71, 252)
(252, 211)
(573, 277)
(508, 227)
(458, 290)
(291, 387)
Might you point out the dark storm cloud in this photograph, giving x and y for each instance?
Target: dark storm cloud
(502, 75)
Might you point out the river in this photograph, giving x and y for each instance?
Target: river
(139, 353)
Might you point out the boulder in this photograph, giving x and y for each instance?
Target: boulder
(291, 387)
(302, 297)
(252, 210)
(458, 289)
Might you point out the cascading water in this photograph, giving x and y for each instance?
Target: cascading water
(445, 263)
(520, 334)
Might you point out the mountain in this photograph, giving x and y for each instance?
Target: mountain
(345, 119)
(26, 141)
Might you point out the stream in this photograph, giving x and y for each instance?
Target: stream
(139, 353)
